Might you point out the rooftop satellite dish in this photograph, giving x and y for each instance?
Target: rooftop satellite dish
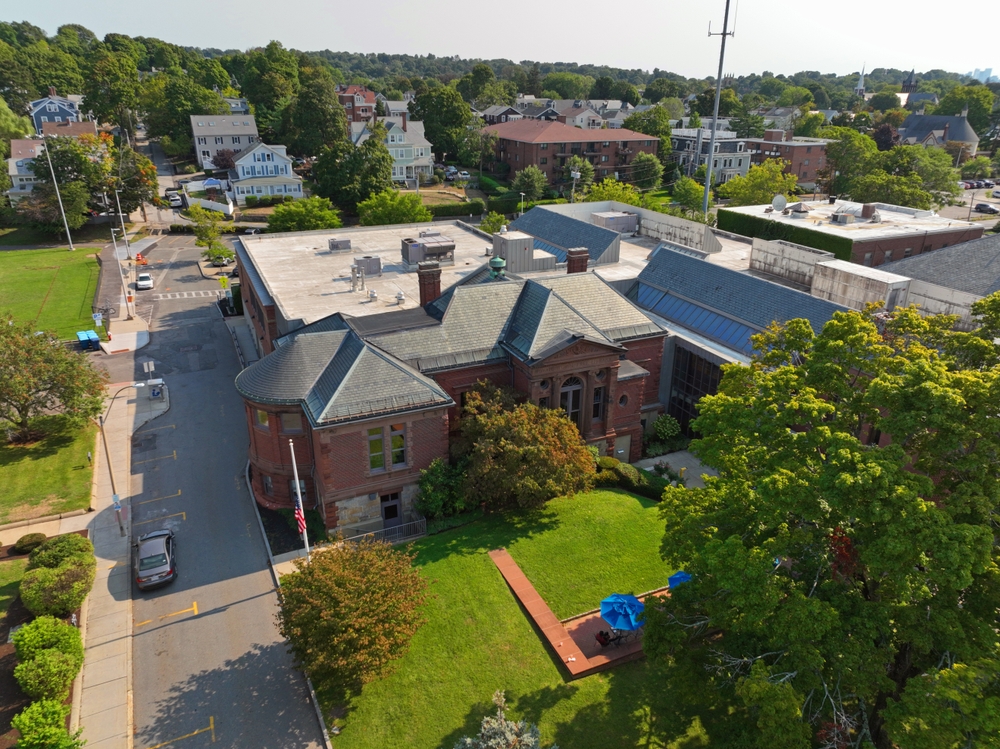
(779, 202)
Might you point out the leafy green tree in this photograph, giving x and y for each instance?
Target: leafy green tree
(12, 126)
(883, 101)
(533, 85)
(445, 116)
(472, 84)
(979, 100)
(346, 173)
(568, 85)
(810, 125)
(16, 85)
(674, 107)
(654, 121)
(695, 119)
(441, 490)
(848, 157)
(747, 124)
(38, 375)
(761, 183)
(50, 66)
(602, 88)
(531, 181)
(771, 88)
(626, 92)
(647, 171)
(477, 146)
(795, 96)
(270, 78)
(208, 73)
(74, 39)
(167, 101)
(392, 207)
(977, 168)
(932, 165)
(522, 457)
(662, 88)
(500, 732)
(496, 93)
(111, 89)
(314, 118)
(834, 572)
(492, 222)
(885, 136)
(207, 232)
(729, 103)
(136, 183)
(584, 167)
(689, 194)
(350, 612)
(878, 186)
(612, 189)
(304, 215)
(40, 209)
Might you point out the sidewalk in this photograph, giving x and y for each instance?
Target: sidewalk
(102, 697)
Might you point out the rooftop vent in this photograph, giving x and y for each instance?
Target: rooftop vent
(338, 245)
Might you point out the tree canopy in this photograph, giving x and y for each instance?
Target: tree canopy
(307, 214)
(445, 116)
(654, 121)
(979, 100)
(761, 183)
(348, 174)
(845, 577)
(392, 207)
(531, 181)
(647, 171)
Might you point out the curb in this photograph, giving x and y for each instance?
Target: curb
(277, 584)
(243, 363)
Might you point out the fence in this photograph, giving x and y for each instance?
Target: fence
(396, 534)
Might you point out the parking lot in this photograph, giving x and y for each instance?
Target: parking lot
(971, 198)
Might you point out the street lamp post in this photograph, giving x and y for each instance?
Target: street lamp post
(972, 200)
(107, 451)
(522, 203)
(128, 250)
(55, 184)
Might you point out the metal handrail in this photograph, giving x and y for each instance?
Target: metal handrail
(396, 534)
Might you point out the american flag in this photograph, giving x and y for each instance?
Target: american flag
(300, 516)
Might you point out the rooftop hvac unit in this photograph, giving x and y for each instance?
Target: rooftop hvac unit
(842, 218)
(372, 265)
(339, 245)
(430, 233)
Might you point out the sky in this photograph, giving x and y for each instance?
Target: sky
(667, 34)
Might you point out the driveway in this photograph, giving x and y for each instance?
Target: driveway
(209, 666)
(165, 178)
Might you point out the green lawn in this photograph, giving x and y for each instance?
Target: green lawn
(53, 288)
(477, 638)
(49, 476)
(10, 580)
(94, 234)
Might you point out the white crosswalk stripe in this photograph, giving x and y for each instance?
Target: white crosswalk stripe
(186, 295)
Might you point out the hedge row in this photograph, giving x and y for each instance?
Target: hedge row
(60, 574)
(755, 226)
(489, 185)
(189, 229)
(255, 200)
(474, 207)
(612, 472)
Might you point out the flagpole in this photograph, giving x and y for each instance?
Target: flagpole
(300, 511)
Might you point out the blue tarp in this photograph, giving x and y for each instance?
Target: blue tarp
(677, 578)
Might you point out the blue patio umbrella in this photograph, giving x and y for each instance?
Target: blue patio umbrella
(622, 611)
(677, 578)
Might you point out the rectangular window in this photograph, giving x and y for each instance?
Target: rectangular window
(543, 147)
(291, 423)
(260, 418)
(543, 160)
(302, 489)
(376, 450)
(740, 162)
(202, 141)
(806, 162)
(887, 258)
(907, 252)
(58, 119)
(268, 485)
(604, 158)
(236, 139)
(397, 441)
(218, 141)
(868, 258)
(598, 408)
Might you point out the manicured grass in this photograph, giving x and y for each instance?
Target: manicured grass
(53, 288)
(95, 234)
(49, 476)
(477, 639)
(11, 573)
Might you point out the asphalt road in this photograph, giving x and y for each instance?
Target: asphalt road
(209, 665)
(971, 198)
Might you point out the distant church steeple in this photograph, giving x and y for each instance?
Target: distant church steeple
(859, 90)
(910, 84)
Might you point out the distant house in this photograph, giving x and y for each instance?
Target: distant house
(691, 146)
(581, 117)
(395, 108)
(238, 106)
(540, 111)
(781, 118)
(412, 157)
(71, 129)
(54, 108)
(215, 132)
(916, 101)
(937, 130)
(548, 145)
(22, 153)
(803, 157)
(358, 102)
(262, 169)
(501, 113)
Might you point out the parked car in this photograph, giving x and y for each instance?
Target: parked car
(451, 176)
(464, 176)
(155, 564)
(175, 200)
(996, 193)
(451, 170)
(988, 182)
(144, 282)
(251, 230)
(986, 208)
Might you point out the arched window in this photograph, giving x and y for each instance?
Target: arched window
(569, 398)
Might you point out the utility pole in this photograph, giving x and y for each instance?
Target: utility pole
(55, 184)
(715, 111)
(121, 217)
(575, 175)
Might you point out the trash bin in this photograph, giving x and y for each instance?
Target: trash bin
(83, 339)
(94, 339)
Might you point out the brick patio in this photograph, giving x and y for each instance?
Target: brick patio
(572, 640)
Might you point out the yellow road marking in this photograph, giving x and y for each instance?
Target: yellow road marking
(153, 429)
(139, 624)
(162, 457)
(194, 609)
(157, 499)
(112, 566)
(211, 727)
(183, 516)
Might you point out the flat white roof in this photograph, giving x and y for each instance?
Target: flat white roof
(875, 274)
(895, 221)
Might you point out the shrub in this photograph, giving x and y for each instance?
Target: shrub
(48, 675)
(58, 591)
(488, 185)
(474, 207)
(289, 199)
(56, 551)
(28, 543)
(606, 478)
(189, 169)
(491, 223)
(47, 632)
(441, 492)
(42, 725)
(666, 427)
(607, 463)
(252, 201)
(181, 228)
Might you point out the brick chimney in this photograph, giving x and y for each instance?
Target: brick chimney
(52, 91)
(429, 280)
(404, 121)
(577, 259)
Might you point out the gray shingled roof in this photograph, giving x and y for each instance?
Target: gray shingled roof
(338, 377)
(972, 267)
(751, 300)
(919, 126)
(597, 301)
(542, 324)
(565, 231)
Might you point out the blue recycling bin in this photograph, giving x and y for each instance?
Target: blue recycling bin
(94, 339)
(83, 339)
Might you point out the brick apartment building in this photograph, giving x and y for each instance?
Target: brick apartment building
(358, 102)
(548, 145)
(804, 157)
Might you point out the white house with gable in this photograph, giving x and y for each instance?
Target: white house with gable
(263, 170)
(412, 158)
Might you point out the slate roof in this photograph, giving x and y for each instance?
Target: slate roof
(738, 296)
(543, 323)
(596, 301)
(336, 376)
(566, 232)
(972, 267)
(919, 126)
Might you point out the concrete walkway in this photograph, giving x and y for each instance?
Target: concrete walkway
(102, 695)
(693, 471)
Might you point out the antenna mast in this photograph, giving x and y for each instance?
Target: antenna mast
(715, 112)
